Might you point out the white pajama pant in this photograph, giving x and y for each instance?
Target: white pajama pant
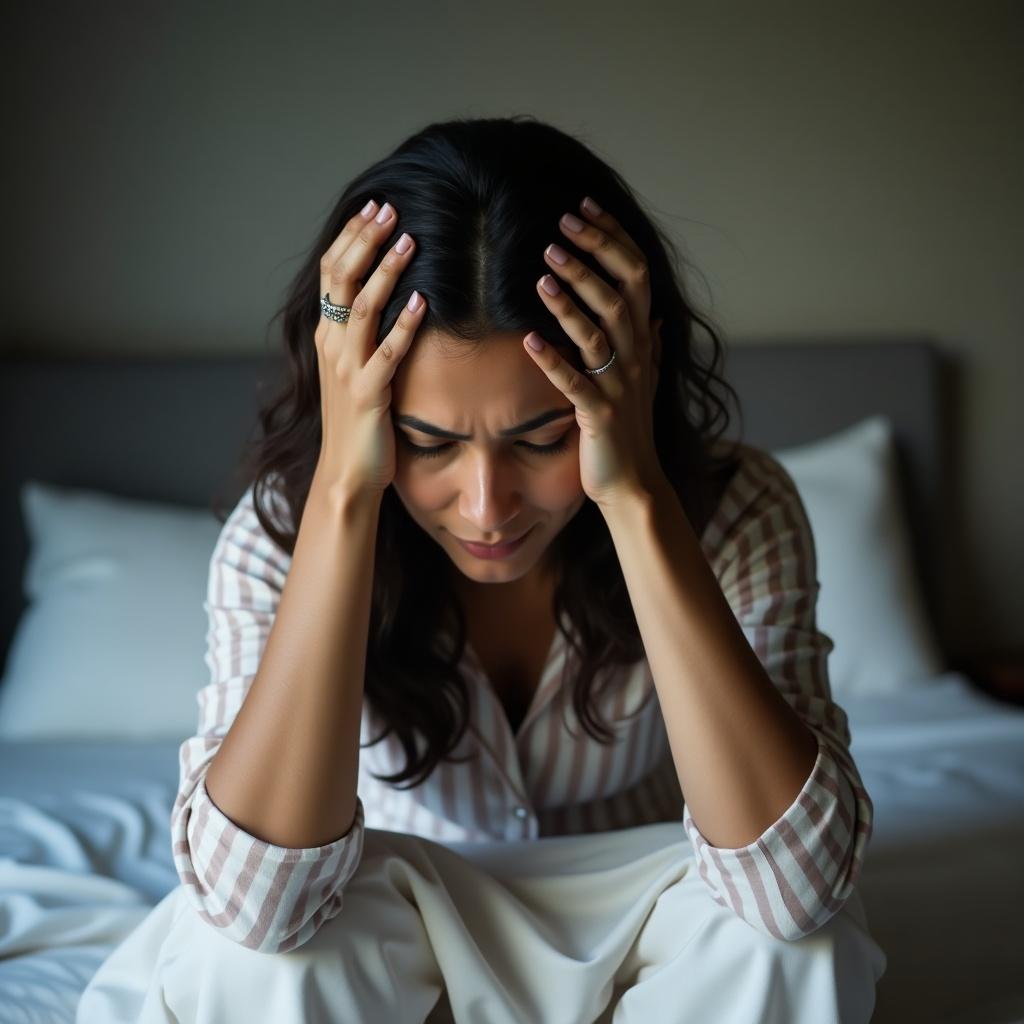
(616, 928)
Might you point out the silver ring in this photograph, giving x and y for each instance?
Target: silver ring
(332, 312)
(601, 369)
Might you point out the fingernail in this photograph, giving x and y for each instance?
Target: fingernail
(549, 284)
(557, 253)
(385, 213)
(591, 207)
(572, 223)
(368, 209)
(534, 342)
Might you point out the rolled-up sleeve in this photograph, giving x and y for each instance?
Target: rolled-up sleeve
(266, 897)
(801, 870)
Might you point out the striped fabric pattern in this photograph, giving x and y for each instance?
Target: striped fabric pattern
(548, 777)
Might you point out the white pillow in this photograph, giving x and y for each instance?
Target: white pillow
(111, 644)
(869, 603)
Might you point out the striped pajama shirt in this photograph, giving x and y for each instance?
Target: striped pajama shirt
(548, 777)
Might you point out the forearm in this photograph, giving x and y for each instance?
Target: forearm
(287, 770)
(741, 753)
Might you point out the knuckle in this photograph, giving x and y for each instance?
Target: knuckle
(595, 339)
(342, 372)
(387, 350)
(618, 310)
(326, 264)
(574, 382)
(360, 307)
(641, 273)
(338, 274)
(580, 273)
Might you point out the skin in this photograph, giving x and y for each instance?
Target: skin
(712, 688)
(490, 487)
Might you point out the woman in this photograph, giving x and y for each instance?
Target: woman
(496, 598)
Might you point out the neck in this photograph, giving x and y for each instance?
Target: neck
(534, 591)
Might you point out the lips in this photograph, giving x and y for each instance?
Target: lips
(493, 550)
(496, 544)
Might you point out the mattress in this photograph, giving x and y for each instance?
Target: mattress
(85, 853)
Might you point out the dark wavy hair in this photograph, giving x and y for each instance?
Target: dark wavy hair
(482, 198)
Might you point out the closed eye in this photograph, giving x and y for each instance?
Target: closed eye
(433, 451)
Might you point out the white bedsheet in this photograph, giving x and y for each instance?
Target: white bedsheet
(84, 855)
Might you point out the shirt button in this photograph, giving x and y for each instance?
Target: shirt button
(520, 812)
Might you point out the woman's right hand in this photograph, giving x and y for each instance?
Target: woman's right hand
(357, 448)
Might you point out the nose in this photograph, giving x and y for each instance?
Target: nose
(490, 498)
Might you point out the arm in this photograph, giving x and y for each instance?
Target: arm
(267, 827)
(777, 813)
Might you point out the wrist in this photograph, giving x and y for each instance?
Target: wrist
(638, 499)
(339, 498)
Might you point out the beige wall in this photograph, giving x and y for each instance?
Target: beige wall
(850, 169)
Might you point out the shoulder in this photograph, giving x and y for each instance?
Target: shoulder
(244, 543)
(759, 492)
(265, 495)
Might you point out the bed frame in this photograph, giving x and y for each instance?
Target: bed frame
(173, 429)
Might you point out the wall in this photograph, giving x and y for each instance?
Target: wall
(829, 169)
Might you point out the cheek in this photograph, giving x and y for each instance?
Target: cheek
(418, 490)
(560, 487)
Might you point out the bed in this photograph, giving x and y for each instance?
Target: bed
(100, 457)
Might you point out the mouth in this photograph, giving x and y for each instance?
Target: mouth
(496, 544)
(499, 550)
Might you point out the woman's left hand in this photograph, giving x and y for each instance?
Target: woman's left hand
(615, 409)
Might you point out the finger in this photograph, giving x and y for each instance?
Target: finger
(377, 292)
(346, 281)
(589, 339)
(352, 226)
(603, 237)
(344, 267)
(592, 214)
(387, 356)
(577, 387)
(612, 308)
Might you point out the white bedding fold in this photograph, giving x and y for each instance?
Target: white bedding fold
(85, 853)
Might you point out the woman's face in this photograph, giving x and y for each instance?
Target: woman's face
(488, 487)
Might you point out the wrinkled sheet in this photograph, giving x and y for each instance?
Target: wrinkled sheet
(85, 854)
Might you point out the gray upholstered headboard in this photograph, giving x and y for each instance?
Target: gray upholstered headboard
(173, 429)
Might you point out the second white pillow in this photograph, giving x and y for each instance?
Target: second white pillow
(870, 601)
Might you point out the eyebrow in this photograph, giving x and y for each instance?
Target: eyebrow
(520, 428)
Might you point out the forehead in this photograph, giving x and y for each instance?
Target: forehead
(447, 376)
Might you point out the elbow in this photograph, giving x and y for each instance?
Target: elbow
(263, 916)
(263, 897)
(272, 934)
